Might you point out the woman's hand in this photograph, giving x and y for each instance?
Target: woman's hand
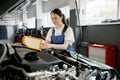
(46, 45)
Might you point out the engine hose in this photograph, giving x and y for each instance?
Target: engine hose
(3, 54)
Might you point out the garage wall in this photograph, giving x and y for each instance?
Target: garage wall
(7, 32)
(109, 34)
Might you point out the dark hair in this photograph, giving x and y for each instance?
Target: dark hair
(59, 13)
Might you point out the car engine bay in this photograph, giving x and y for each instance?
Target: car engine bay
(18, 62)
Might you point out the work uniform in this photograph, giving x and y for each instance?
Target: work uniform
(57, 36)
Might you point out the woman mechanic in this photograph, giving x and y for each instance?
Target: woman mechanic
(61, 36)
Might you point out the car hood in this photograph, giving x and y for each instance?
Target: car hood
(7, 6)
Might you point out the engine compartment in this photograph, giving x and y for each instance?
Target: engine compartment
(51, 64)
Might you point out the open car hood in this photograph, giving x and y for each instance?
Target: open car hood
(7, 6)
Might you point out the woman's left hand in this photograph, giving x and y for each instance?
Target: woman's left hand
(46, 45)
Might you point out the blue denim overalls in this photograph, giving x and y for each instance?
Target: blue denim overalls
(60, 40)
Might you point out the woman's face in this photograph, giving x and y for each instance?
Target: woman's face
(57, 20)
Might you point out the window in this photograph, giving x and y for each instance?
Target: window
(47, 20)
(66, 11)
(97, 11)
(31, 22)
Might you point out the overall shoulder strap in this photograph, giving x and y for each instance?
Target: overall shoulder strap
(53, 31)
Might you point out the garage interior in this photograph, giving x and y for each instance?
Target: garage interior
(15, 12)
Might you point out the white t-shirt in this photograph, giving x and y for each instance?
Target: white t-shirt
(68, 34)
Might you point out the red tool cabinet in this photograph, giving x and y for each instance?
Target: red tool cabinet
(103, 53)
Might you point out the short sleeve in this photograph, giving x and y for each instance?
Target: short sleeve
(49, 34)
(69, 35)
